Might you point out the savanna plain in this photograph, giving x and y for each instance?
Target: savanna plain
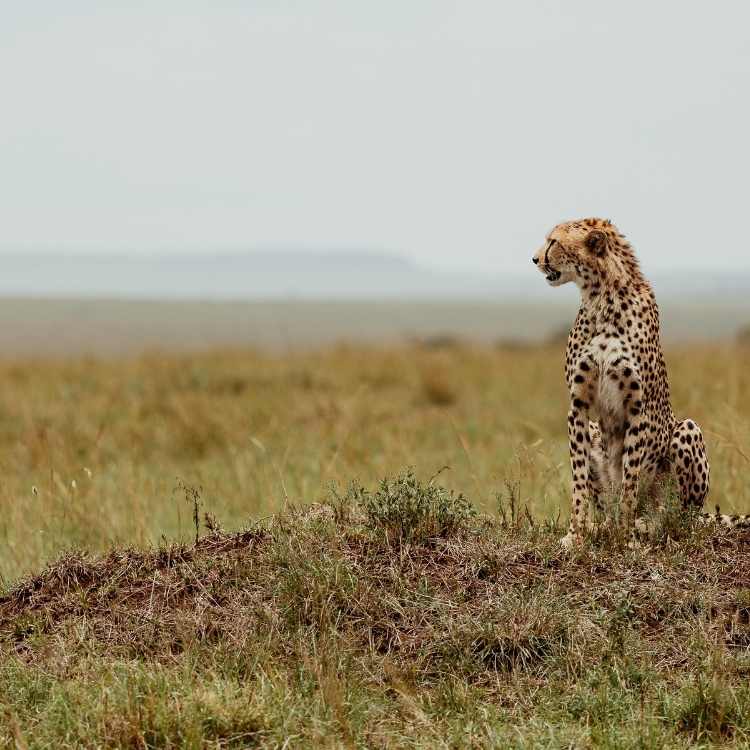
(354, 547)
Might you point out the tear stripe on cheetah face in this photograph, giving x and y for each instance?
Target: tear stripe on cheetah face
(623, 433)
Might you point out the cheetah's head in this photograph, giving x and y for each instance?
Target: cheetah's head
(573, 248)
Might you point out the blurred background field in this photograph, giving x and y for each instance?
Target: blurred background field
(115, 327)
(94, 449)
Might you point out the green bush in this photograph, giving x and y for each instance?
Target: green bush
(410, 510)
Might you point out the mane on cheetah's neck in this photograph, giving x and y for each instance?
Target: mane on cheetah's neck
(617, 269)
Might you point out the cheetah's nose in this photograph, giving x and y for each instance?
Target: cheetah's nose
(535, 261)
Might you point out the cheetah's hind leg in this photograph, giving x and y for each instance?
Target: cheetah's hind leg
(691, 468)
(685, 470)
(687, 455)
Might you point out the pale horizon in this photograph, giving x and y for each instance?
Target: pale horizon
(454, 136)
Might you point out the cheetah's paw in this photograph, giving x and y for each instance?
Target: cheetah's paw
(569, 541)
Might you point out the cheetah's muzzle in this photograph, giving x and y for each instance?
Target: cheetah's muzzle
(553, 276)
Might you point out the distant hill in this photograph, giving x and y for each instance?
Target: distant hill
(275, 275)
(258, 275)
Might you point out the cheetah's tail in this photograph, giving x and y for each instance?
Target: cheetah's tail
(722, 519)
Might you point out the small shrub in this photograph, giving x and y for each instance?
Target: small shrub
(407, 509)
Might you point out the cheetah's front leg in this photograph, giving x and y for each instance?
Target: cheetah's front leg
(579, 436)
(633, 444)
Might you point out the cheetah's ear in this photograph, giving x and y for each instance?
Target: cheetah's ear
(596, 241)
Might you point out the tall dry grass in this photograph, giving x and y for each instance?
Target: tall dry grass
(93, 452)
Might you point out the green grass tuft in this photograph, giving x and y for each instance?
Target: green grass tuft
(406, 509)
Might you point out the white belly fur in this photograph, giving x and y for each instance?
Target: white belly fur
(607, 406)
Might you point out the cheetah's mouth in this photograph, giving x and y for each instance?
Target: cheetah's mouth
(552, 275)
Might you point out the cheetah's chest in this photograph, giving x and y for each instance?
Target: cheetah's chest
(609, 389)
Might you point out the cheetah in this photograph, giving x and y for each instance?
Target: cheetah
(624, 437)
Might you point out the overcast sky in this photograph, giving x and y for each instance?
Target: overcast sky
(456, 133)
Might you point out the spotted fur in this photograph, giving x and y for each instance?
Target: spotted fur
(624, 437)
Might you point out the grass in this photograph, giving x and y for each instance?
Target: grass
(433, 608)
(336, 626)
(92, 452)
